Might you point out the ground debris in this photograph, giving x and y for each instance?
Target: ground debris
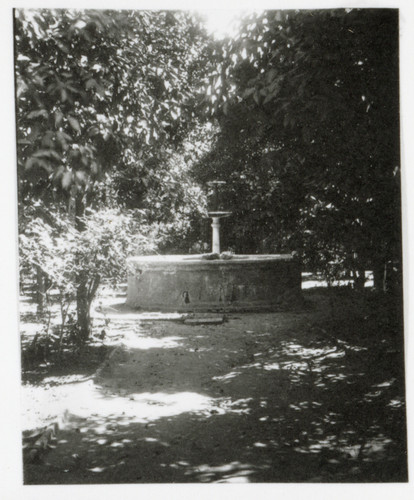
(212, 320)
(36, 444)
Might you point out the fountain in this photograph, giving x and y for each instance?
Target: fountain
(216, 281)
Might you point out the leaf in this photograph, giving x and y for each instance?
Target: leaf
(58, 118)
(39, 112)
(47, 140)
(271, 74)
(100, 90)
(275, 85)
(39, 80)
(48, 153)
(63, 139)
(91, 83)
(58, 173)
(45, 165)
(29, 163)
(67, 180)
(93, 130)
(63, 95)
(248, 92)
(80, 178)
(73, 122)
(63, 47)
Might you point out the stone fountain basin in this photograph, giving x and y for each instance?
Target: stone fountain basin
(189, 283)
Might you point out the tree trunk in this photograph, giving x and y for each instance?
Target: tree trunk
(380, 276)
(83, 306)
(85, 294)
(76, 209)
(40, 291)
(359, 279)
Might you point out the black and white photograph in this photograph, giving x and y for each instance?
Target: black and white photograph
(209, 216)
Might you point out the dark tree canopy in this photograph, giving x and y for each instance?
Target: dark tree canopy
(308, 108)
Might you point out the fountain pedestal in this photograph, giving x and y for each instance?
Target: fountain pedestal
(215, 225)
(216, 235)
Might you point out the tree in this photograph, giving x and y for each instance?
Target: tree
(100, 93)
(100, 88)
(307, 102)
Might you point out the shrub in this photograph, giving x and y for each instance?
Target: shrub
(73, 263)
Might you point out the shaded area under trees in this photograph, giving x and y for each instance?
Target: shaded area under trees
(286, 397)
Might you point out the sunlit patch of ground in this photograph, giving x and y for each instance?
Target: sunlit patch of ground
(86, 400)
(312, 280)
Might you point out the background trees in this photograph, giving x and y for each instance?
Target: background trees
(307, 103)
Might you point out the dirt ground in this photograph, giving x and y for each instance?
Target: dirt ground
(272, 397)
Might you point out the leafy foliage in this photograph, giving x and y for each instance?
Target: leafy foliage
(98, 90)
(307, 102)
(104, 99)
(64, 255)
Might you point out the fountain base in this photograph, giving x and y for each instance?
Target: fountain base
(185, 283)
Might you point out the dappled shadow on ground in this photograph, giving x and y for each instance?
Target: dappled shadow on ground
(48, 357)
(312, 397)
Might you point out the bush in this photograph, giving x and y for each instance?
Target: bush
(71, 261)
